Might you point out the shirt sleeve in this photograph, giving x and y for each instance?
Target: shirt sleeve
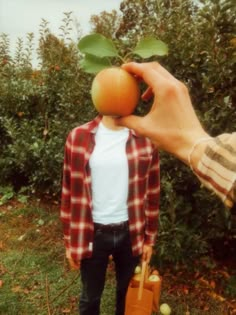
(65, 214)
(152, 203)
(217, 167)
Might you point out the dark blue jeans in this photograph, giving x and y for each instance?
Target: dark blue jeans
(93, 270)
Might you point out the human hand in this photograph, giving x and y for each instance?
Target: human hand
(73, 264)
(147, 253)
(171, 123)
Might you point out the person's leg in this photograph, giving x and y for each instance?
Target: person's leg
(93, 272)
(125, 264)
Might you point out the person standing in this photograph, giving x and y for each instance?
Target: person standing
(110, 205)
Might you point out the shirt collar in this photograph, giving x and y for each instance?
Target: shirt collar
(93, 126)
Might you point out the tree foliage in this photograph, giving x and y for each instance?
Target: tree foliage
(98, 51)
(39, 106)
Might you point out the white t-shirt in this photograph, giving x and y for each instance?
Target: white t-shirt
(109, 173)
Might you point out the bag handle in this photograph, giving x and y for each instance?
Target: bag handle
(142, 278)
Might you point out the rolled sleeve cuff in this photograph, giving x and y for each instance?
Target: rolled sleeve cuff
(216, 169)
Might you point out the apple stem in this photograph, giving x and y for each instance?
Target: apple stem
(127, 55)
(122, 59)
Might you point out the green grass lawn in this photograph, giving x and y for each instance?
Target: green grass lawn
(35, 278)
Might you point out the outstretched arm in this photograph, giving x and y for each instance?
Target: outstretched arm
(173, 126)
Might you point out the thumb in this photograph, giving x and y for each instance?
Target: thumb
(131, 122)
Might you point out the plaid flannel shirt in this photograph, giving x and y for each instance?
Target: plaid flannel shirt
(217, 167)
(76, 202)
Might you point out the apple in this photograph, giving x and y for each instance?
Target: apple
(137, 270)
(115, 92)
(137, 277)
(137, 273)
(165, 309)
(153, 278)
(155, 272)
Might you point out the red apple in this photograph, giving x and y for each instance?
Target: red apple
(115, 92)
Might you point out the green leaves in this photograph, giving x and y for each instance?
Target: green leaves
(97, 45)
(149, 47)
(93, 64)
(6, 193)
(98, 50)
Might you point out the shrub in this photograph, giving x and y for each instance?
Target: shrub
(39, 107)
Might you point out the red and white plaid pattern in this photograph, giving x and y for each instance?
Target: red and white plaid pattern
(76, 203)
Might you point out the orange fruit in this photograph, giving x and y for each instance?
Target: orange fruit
(115, 92)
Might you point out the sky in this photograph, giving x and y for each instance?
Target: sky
(19, 17)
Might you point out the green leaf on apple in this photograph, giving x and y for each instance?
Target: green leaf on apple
(93, 64)
(97, 45)
(150, 46)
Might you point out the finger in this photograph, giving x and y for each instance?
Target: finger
(139, 69)
(131, 122)
(150, 72)
(138, 79)
(134, 68)
(148, 94)
(144, 70)
(73, 264)
(74, 267)
(145, 257)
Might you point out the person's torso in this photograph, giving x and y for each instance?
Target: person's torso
(109, 176)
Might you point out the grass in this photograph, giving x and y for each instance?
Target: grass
(35, 279)
(34, 274)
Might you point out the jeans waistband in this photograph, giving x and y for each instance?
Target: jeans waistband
(120, 226)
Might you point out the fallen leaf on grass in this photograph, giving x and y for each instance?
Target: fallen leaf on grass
(210, 283)
(3, 270)
(206, 308)
(66, 311)
(204, 281)
(19, 289)
(216, 296)
(224, 273)
(16, 289)
(26, 291)
(185, 289)
(21, 238)
(1, 283)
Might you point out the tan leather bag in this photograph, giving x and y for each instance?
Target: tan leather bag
(143, 296)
